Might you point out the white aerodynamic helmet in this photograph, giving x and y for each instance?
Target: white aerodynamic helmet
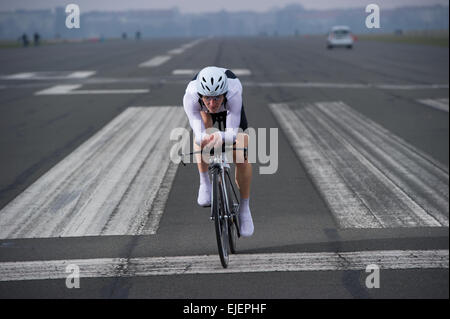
(212, 81)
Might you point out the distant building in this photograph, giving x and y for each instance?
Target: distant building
(292, 19)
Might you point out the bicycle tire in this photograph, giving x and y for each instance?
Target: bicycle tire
(233, 220)
(221, 225)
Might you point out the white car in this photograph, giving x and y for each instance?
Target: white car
(340, 36)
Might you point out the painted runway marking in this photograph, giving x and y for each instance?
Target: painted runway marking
(411, 86)
(54, 75)
(71, 89)
(369, 177)
(241, 263)
(156, 61)
(439, 104)
(161, 59)
(325, 85)
(81, 74)
(110, 185)
(177, 51)
(190, 72)
(19, 76)
(192, 44)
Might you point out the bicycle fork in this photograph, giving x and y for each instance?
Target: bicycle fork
(217, 169)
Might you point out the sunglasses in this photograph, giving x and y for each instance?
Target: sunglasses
(214, 98)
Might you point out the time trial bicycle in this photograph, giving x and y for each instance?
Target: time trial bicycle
(224, 202)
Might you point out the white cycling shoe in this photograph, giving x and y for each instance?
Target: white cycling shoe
(204, 195)
(246, 227)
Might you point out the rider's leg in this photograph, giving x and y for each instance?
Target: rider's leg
(243, 180)
(243, 176)
(204, 192)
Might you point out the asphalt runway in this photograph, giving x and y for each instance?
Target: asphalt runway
(361, 169)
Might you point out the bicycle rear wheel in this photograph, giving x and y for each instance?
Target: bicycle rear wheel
(220, 220)
(233, 220)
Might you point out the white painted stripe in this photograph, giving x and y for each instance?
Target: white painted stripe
(161, 59)
(184, 72)
(237, 72)
(107, 186)
(347, 85)
(52, 75)
(416, 193)
(156, 61)
(316, 85)
(419, 181)
(411, 86)
(192, 44)
(176, 51)
(241, 72)
(439, 104)
(71, 89)
(349, 210)
(184, 47)
(19, 76)
(158, 204)
(369, 177)
(59, 89)
(112, 91)
(241, 263)
(81, 74)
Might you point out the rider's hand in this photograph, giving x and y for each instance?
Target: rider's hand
(217, 141)
(212, 140)
(207, 139)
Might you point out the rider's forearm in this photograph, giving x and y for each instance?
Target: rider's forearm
(195, 120)
(233, 119)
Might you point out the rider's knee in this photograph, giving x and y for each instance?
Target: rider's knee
(243, 163)
(242, 140)
(240, 156)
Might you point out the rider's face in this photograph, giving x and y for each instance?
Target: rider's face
(213, 103)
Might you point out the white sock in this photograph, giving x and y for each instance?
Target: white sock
(204, 178)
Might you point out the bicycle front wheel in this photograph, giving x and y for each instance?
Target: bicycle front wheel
(220, 220)
(233, 207)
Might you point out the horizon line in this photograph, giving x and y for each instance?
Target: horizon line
(176, 8)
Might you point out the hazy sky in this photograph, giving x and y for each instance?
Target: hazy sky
(206, 5)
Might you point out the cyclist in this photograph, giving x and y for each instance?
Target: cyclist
(215, 95)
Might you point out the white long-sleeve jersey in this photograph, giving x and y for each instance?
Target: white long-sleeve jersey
(233, 107)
